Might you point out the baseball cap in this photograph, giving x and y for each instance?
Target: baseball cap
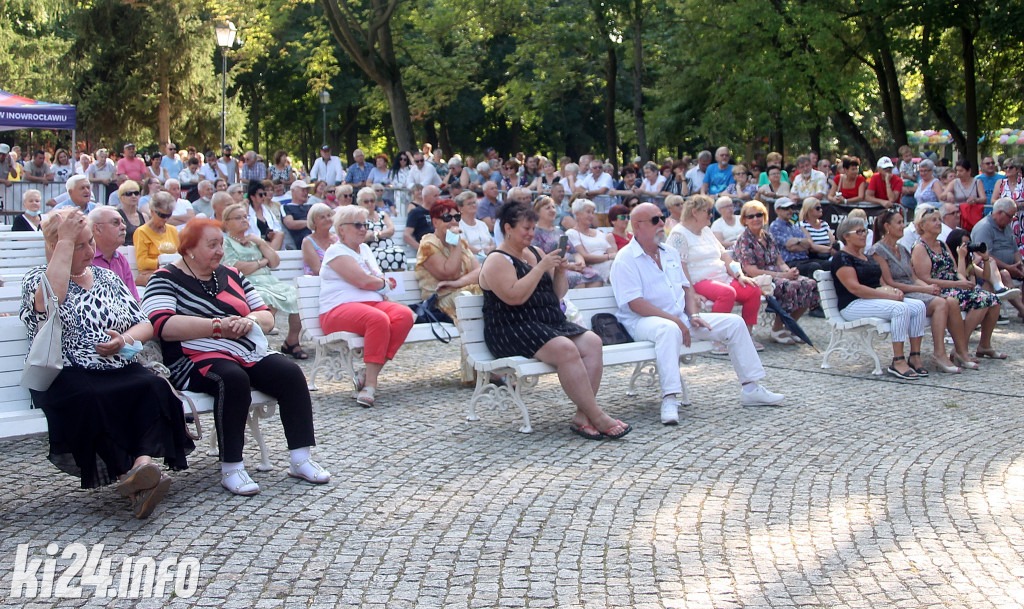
(301, 184)
(5, 149)
(325, 147)
(884, 163)
(128, 145)
(783, 202)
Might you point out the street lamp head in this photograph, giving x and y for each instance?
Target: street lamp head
(325, 97)
(225, 34)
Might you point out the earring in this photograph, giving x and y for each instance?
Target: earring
(192, 256)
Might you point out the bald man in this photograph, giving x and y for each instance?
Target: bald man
(109, 230)
(656, 303)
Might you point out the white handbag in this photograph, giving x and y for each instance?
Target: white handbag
(45, 359)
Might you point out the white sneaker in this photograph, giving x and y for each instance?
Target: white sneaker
(761, 397)
(670, 410)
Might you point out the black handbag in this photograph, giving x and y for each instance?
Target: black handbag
(428, 313)
(609, 329)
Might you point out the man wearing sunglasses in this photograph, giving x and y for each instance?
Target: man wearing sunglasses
(657, 303)
(422, 172)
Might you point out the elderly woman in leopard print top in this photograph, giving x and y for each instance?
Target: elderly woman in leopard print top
(108, 417)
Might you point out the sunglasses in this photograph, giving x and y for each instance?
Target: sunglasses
(357, 225)
(450, 217)
(859, 231)
(161, 215)
(756, 214)
(347, 196)
(260, 194)
(133, 193)
(817, 208)
(419, 162)
(622, 217)
(656, 220)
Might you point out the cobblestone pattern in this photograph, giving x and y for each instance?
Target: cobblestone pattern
(861, 492)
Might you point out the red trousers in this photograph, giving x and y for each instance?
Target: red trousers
(383, 326)
(725, 296)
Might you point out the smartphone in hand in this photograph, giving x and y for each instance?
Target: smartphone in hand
(563, 244)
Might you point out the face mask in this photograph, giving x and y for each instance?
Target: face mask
(32, 213)
(130, 351)
(451, 238)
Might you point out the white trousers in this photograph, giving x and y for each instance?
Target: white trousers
(906, 317)
(725, 327)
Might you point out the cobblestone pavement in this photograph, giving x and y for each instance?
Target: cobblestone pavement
(860, 492)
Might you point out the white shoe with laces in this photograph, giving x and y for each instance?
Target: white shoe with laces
(670, 410)
(761, 397)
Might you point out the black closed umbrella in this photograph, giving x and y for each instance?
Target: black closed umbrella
(787, 320)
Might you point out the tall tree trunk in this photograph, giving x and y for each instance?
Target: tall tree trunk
(776, 138)
(638, 81)
(814, 135)
(430, 131)
(372, 49)
(351, 133)
(444, 140)
(887, 75)
(164, 109)
(935, 95)
(611, 134)
(970, 96)
(848, 126)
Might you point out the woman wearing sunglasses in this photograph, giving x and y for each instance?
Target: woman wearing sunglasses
(446, 266)
(858, 281)
(155, 237)
(352, 299)
(758, 254)
(128, 194)
(816, 229)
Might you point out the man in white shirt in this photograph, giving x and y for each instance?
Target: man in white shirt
(656, 303)
(422, 173)
(596, 186)
(327, 168)
(183, 210)
(695, 175)
(209, 170)
(809, 182)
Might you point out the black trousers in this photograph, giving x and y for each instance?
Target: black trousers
(229, 383)
(809, 265)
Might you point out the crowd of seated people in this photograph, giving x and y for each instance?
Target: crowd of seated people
(214, 306)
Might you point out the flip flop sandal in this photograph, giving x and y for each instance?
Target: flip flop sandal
(989, 353)
(586, 431)
(623, 429)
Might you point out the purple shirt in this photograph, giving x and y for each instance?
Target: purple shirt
(119, 265)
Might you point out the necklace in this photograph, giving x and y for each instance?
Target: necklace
(211, 286)
(80, 275)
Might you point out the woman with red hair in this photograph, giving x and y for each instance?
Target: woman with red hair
(211, 322)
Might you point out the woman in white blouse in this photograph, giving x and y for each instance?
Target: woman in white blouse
(473, 231)
(727, 229)
(597, 247)
(352, 299)
(709, 268)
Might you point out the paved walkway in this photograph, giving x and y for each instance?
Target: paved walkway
(862, 492)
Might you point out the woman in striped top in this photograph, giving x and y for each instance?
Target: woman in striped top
(212, 324)
(817, 230)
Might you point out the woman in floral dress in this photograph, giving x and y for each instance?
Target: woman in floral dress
(758, 254)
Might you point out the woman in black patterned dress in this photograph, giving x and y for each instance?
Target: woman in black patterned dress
(522, 316)
(108, 417)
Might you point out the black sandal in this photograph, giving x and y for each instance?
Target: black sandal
(922, 371)
(294, 351)
(909, 375)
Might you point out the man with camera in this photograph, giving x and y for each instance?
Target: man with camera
(994, 231)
